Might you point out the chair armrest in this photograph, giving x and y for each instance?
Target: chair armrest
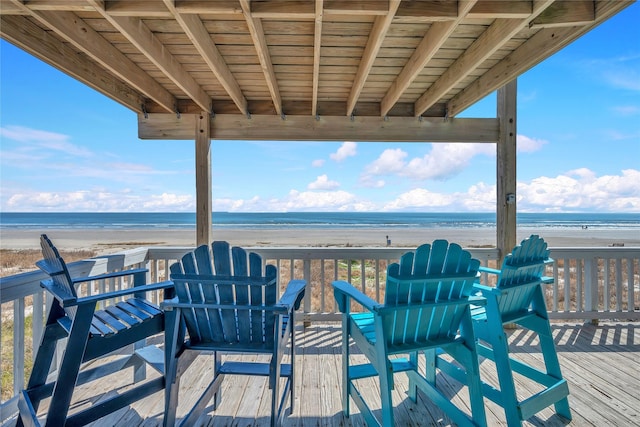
(293, 294)
(64, 299)
(488, 270)
(486, 290)
(342, 290)
(109, 275)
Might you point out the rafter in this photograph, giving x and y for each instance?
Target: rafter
(31, 38)
(144, 40)
(501, 31)
(197, 33)
(376, 37)
(74, 30)
(317, 45)
(435, 37)
(523, 58)
(257, 34)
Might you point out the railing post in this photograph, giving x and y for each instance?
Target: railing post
(591, 287)
(307, 294)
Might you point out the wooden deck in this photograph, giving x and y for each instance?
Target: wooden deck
(601, 364)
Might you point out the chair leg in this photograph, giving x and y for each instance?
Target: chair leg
(172, 380)
(508, 397)
(386, 385)
(552, 366)
(346, 380)
(275, 390)
(70, 366)
(413, 387)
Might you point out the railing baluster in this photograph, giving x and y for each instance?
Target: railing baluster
(18, 345)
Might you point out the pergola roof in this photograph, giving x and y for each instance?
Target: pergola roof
(259, 64)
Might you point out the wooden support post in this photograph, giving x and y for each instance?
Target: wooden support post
(506, 170)
(203, 180)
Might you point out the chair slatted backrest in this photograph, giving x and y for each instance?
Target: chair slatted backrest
(521, 272)
(427, 292)
(236, 289)
(56, 268)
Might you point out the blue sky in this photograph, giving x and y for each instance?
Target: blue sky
(65, 147)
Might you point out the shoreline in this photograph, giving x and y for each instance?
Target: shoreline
(109, 240)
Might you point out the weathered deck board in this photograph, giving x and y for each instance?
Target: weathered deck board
(601, 364)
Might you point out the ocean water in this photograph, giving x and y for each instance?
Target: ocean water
(301, 220)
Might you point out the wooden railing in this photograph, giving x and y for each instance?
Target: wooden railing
(590, 283)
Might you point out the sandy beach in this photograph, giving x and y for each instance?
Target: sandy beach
(113, 240)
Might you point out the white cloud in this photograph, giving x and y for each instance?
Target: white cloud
(34, 138)
(526, 144)
(580, 190)
(323, 183)
(390, 161)
(97, 201)
(627, 110)
(419, 198)
(445, 160)
(317, 163)
(347, 149)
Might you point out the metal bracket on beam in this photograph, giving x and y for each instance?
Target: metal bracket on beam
(177, 111)
(317, 117)
(248, 115)
(145, 113)
(283, 116)
(352, 117)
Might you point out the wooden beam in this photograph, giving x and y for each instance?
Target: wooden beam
(74, 30)
(566, 13)
(500, 32)
(543, 44)
(135, 30)
(506, 170)
(376, 37)
(434, 38)
(204, 194)
(317, 46)
(323, 128)
(262, 49)
(31, 38)
(199, 36)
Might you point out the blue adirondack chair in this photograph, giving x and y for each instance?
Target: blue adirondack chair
(90, 334)
(427, 307)
(518, 299)
(229, 303)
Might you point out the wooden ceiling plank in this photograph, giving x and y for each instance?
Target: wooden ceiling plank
(495, 9)
(208, 7)
(566, 13)
(317, 45)
(257, 34)
(500, 32)
(74, 30)
(436, 35)
(23, 33)
(143, 39)
(292, 9)
(356, 7)
(60, 5)
(544, 43)
(427, 11)
(323, 128)
(199, 36)
(140, 8)
(376, 37)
